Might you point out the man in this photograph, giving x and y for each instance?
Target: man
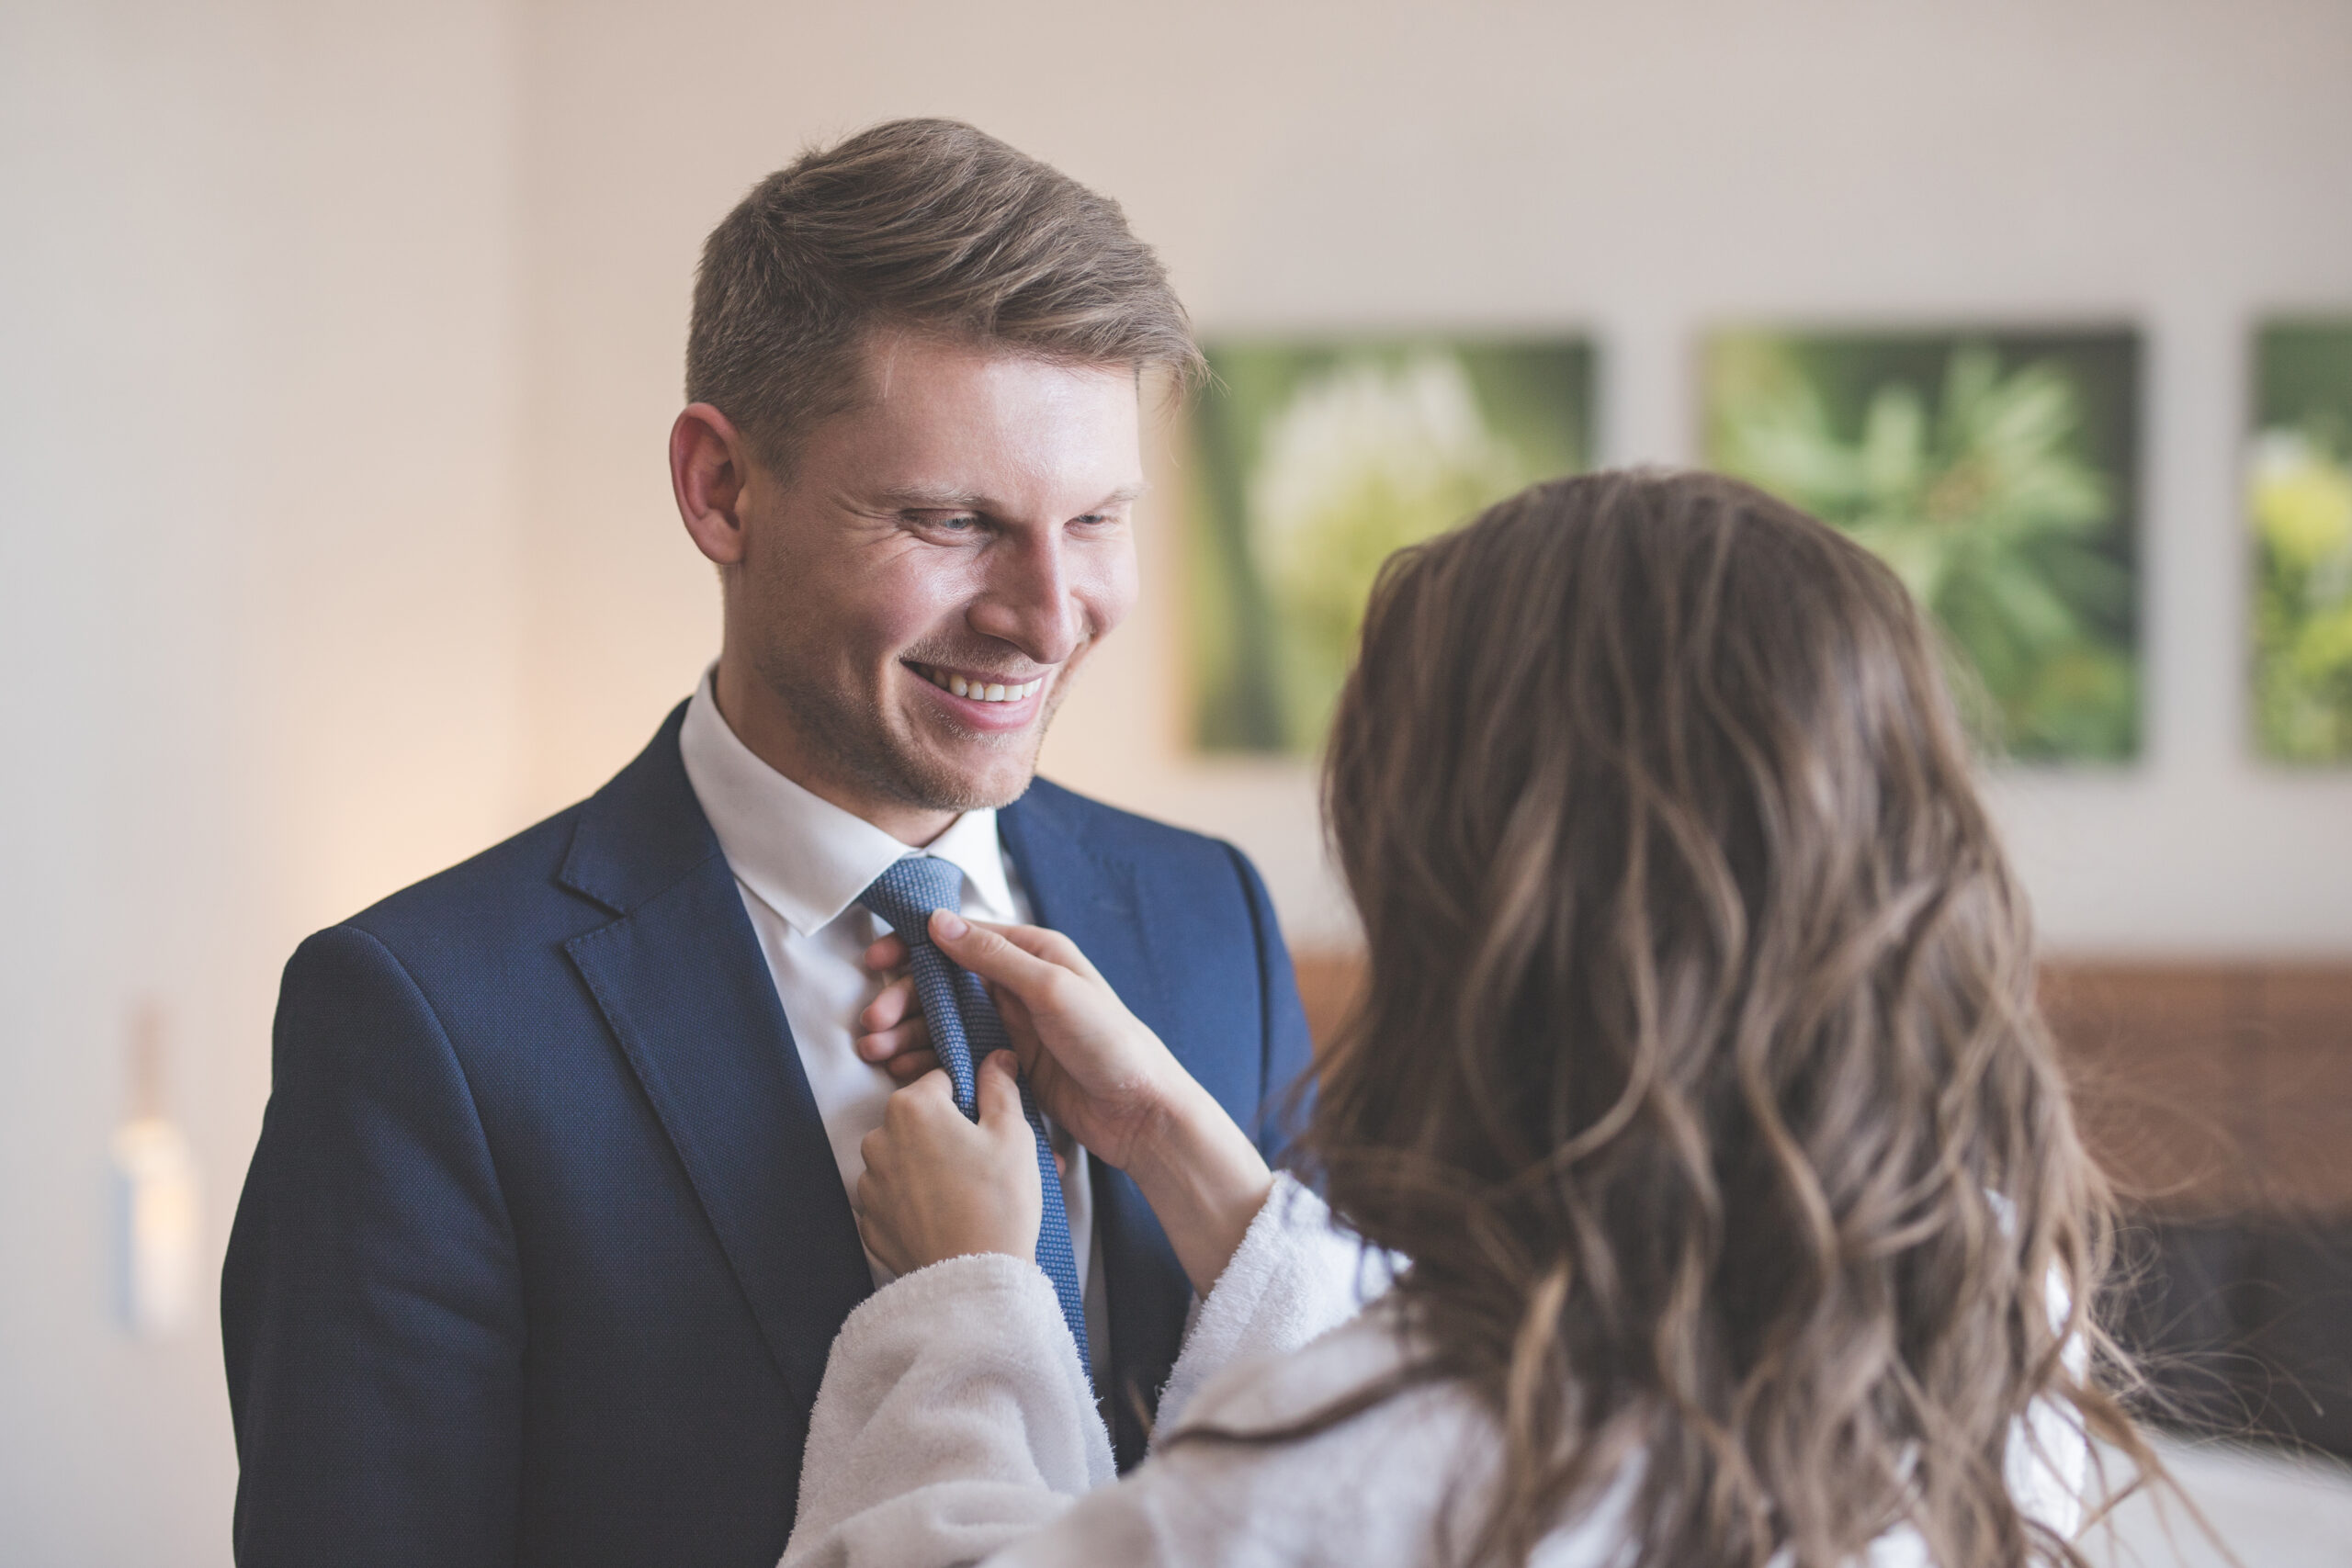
(548, 1230)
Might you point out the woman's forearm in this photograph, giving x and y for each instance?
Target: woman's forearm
(1204, 1180)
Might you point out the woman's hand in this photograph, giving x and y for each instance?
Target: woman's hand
(1094, 1067)
(1099, 1072)
(895, 1037)
(937, 1185)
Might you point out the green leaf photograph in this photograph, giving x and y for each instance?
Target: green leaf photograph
(2298, 499)
(1996, 473)
(1312, 461)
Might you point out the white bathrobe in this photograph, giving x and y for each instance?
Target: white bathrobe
(954, 1426)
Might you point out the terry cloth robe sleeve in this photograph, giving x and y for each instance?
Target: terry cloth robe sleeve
(952, 1420)
(1293, 1277)
(968, 1453)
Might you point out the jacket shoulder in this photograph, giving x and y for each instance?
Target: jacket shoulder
(577, 868)
(509, 890)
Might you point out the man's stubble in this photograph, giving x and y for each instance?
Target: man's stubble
(848, 734)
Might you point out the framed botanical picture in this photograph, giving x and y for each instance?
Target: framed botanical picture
(1315, 458)
(1996, 472)
(2299, 502)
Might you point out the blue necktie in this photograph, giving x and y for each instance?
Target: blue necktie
(964, 1029)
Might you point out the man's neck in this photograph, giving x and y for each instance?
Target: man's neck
(769, 737)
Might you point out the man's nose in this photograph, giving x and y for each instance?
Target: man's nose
(1031, 601)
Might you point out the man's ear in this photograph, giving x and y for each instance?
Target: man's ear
(709, 465)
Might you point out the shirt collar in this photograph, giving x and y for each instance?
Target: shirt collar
(803, 856)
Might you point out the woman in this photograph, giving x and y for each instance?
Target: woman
(1698, 1082)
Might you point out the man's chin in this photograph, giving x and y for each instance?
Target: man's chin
(942, 765)
(937, 783)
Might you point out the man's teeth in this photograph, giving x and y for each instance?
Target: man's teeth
(981, 691)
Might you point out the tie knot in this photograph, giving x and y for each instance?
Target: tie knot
(904, 896)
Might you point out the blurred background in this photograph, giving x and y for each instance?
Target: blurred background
(338, 344)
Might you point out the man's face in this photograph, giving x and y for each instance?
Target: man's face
(914, 599)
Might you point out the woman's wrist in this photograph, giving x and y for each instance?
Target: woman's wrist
(1204, 1180)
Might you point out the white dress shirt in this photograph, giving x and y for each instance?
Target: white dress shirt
(800, 863)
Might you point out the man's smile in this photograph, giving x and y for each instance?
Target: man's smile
(986, 699)
(979, 686)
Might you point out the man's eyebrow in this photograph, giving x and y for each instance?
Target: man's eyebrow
(933, 498)
(946, 497)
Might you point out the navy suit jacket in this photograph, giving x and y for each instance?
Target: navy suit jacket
(543, 1246)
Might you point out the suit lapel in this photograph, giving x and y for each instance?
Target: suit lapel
(1088, 896)
(686, 992)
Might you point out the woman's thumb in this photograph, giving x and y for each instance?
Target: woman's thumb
(976, 948)
(1000, 1088)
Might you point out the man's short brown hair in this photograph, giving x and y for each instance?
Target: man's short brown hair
(925, 225)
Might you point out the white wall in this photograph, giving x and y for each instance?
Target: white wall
(337, 345)
(1641, 170)
(257, 628)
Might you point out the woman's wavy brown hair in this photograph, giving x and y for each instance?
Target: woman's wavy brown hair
(1699, 1072)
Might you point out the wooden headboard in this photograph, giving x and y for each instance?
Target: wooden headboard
(2203, 1088)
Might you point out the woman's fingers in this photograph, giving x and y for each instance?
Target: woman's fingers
(999, 1097)
(907, 1068)
(999, 1101)
(890, 1006)
(882, 1044)
(936, 1186)
(1023, 964)
(908, 1110)
(1050, 945)
(895, 1036)
(988, 953)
